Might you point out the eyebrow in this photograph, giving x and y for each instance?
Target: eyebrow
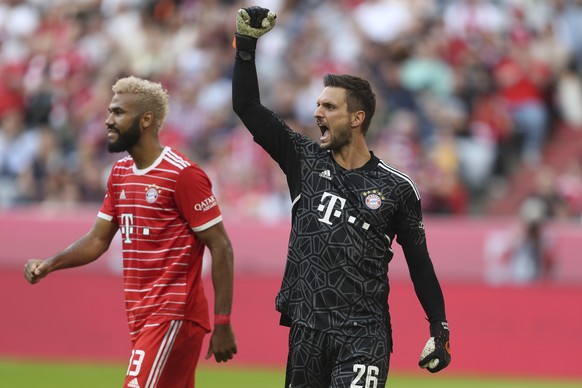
(115, 108)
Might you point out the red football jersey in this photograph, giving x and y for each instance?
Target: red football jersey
(158, 209)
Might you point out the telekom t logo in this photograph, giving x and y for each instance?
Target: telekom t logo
(330, 207)
(126, 226)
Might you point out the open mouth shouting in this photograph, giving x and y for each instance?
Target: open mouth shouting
(325, 133)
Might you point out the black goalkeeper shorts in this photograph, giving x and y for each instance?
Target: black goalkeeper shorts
(322, 360)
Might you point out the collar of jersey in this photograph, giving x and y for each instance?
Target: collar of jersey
(370, 164)
(144, 171)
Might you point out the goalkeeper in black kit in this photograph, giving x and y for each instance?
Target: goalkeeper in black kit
(348, 207)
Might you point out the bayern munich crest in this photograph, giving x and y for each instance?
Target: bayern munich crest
(373, 199)
(152, 194)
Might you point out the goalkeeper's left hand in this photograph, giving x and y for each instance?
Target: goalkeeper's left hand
(441, 355)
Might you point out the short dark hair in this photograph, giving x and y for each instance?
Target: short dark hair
(359, 95)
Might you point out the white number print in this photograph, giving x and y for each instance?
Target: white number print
(135, 361)
(371, 373)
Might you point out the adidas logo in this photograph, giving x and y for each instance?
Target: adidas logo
(325, 174)
(133, 383)
(122, 195)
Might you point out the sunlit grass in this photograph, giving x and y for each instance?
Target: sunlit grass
(28, 374)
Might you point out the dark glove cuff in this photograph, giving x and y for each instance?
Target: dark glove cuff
(438, 327)
(245, 47)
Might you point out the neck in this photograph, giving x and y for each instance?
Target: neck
(143, 157)
(352, 157)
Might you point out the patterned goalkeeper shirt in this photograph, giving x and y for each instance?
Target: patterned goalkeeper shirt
(344, 223)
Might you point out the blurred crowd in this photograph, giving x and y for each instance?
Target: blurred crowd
(468, 91)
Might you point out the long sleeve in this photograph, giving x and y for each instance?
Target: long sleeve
(426, 284)
(268, 130)
(246, 100)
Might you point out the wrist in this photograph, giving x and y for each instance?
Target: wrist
(49, 264)
(245, 46)
(221, 319)
(438, 327)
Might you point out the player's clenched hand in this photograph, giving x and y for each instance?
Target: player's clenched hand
(254, 21)
(436, 355)
(35, 269)
(222, 343)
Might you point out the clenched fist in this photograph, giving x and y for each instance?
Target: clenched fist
(35, 269)
(254, 21)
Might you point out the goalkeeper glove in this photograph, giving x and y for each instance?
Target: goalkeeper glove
(251, 23)
(436, 354)
(254, 21)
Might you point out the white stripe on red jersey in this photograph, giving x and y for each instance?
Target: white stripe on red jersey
(157, 210)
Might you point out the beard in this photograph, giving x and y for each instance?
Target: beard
(339, 140)
(127, 139)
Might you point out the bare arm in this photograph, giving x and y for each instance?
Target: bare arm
(83, 251)
(218, 243)
(222, 342)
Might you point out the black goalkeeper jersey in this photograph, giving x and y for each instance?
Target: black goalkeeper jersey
(344, 223)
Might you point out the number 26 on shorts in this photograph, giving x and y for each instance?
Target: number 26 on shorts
(368, 375)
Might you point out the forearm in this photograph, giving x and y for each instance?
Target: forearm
(430, 295)
(82, 252)
(222, 278)
(426, 284)
(246, 100)
(245, 84)
(85, 250)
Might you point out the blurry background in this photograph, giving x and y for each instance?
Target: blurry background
(480, 102)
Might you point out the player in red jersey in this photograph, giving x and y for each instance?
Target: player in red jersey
(163, 205)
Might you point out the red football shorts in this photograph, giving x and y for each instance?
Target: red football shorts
(165, 356)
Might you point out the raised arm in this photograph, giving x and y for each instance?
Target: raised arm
(251, 23)
(268, 130)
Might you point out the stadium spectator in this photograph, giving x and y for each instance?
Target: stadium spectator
(471, 20)
(566, 19)
(569, 187)
(568, 96)
(546, 191)
(522, 84)
(523, 253)
(18, 149)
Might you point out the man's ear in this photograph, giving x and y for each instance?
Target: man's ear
(147, 120)
(358, 118)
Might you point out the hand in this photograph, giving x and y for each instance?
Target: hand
(222, 343)
(436, 355)
(254, 21)
(35, 269)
